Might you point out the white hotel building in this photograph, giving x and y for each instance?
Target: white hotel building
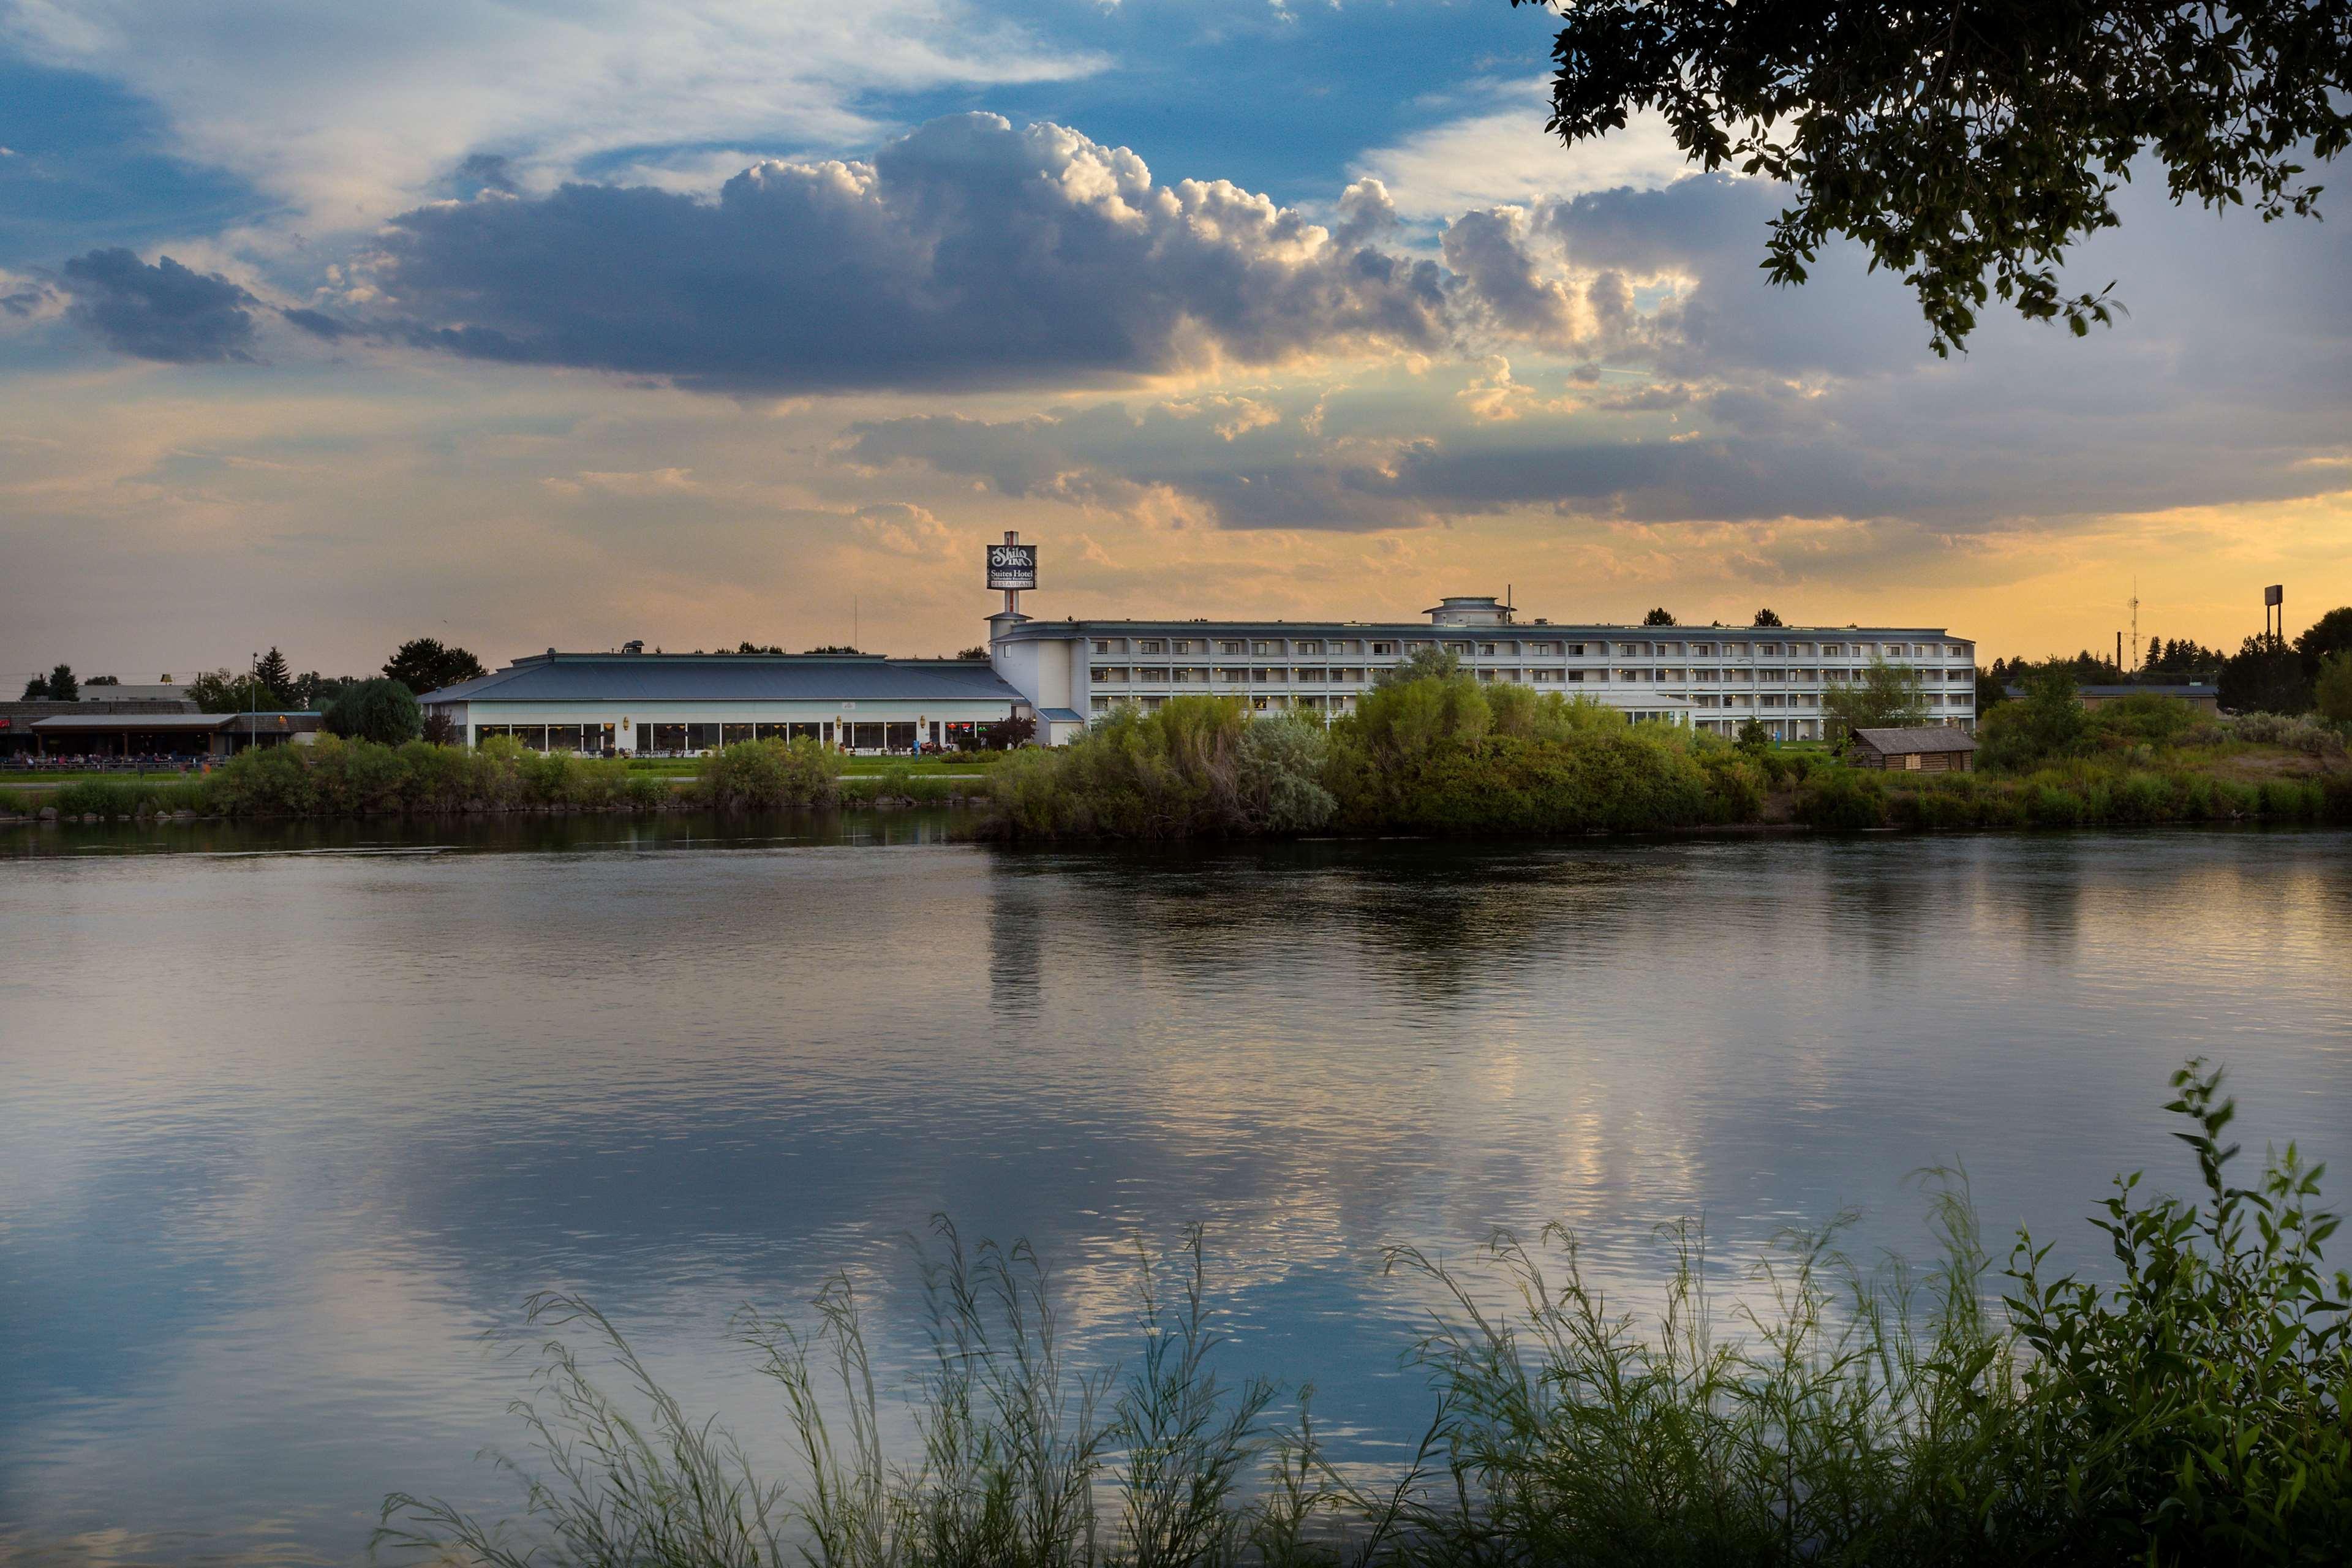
(1712, 678)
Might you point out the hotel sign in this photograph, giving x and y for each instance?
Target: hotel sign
(1012, 565)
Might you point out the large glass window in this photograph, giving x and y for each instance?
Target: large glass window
(730, 734)
(902, 735)
(701, 737)
(669, 737)
(563, 736)
(864, 735)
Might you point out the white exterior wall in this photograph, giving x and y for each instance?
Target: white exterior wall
(1640, 669)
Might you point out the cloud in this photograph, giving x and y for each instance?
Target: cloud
(351, 113)
(898, 528)
(967, 253)
(1501, 155)
(163, 311)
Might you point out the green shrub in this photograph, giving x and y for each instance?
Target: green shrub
(2194, 1411)
(2144, 798)
(764, 774)
(2052, 805)
(1734, 794)
(1842, 800)
(1197, 766)
(383, 712)
(2295, 732)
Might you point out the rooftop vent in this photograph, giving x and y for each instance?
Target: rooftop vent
(635, 644)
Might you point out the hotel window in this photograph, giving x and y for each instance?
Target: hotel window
(1153, 674)
(1230, 646)
(1703, 650)
(1576, 650)
(1266, 648)
(1098, 673)
(1110, 645)
(1486, 651)
(1308, 647)
(1310, 675)
(1383, 649)
(1150, 645)
(1102, 704)
(1576, 675)
(1181, 646)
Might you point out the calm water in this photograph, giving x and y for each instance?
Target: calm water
(293, 1121)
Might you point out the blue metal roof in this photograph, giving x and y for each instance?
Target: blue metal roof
(1061, 715)
(731, 678)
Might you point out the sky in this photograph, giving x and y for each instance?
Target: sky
(525, 324)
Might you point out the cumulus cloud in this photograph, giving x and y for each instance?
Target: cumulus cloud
(159, 312)
(969, 253)
(1498, 153)
(350, 112)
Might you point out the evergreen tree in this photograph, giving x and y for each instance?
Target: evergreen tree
(63, 687)
(275, 678)
(36, 690)
(1766, 619)
(1660, 618)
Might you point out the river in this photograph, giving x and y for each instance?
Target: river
(294, 1119)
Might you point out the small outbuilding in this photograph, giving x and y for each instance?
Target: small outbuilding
(1933, 749)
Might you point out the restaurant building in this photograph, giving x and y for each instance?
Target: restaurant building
(657, 704)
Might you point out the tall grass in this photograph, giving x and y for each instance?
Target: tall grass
(2193, 1409)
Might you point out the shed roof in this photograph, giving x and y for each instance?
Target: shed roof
(730, 678)
(1927, 738)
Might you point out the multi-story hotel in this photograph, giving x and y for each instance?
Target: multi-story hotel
(1714, 678)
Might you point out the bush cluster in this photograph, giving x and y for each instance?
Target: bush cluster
(1439, 753)
(2082, 793)
(2192, 1408)
(754, 775)
(1197, 767)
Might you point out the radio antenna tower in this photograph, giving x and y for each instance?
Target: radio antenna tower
(2139, 655)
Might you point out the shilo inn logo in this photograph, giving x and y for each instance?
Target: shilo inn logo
(1012, 565)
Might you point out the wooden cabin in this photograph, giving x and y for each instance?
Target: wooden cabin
(1935, 749)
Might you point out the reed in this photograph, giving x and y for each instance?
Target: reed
(2193, 1409)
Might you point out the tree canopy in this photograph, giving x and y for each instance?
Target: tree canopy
(1661, 617)
(1887, 696)
(58, 685)
(1967, 146)
(1766, 619)
(423, 664)
(384, 711)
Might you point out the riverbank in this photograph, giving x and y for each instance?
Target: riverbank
(337, 779)
(1431, 758)
(1452, 757)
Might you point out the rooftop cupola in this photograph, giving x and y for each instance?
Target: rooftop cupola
(1470, 610)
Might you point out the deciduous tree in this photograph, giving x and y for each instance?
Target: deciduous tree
(1888, 696)
(384, 711)
(1966, 146)
(423, 664)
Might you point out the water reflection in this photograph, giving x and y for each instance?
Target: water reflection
(295, 1114)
